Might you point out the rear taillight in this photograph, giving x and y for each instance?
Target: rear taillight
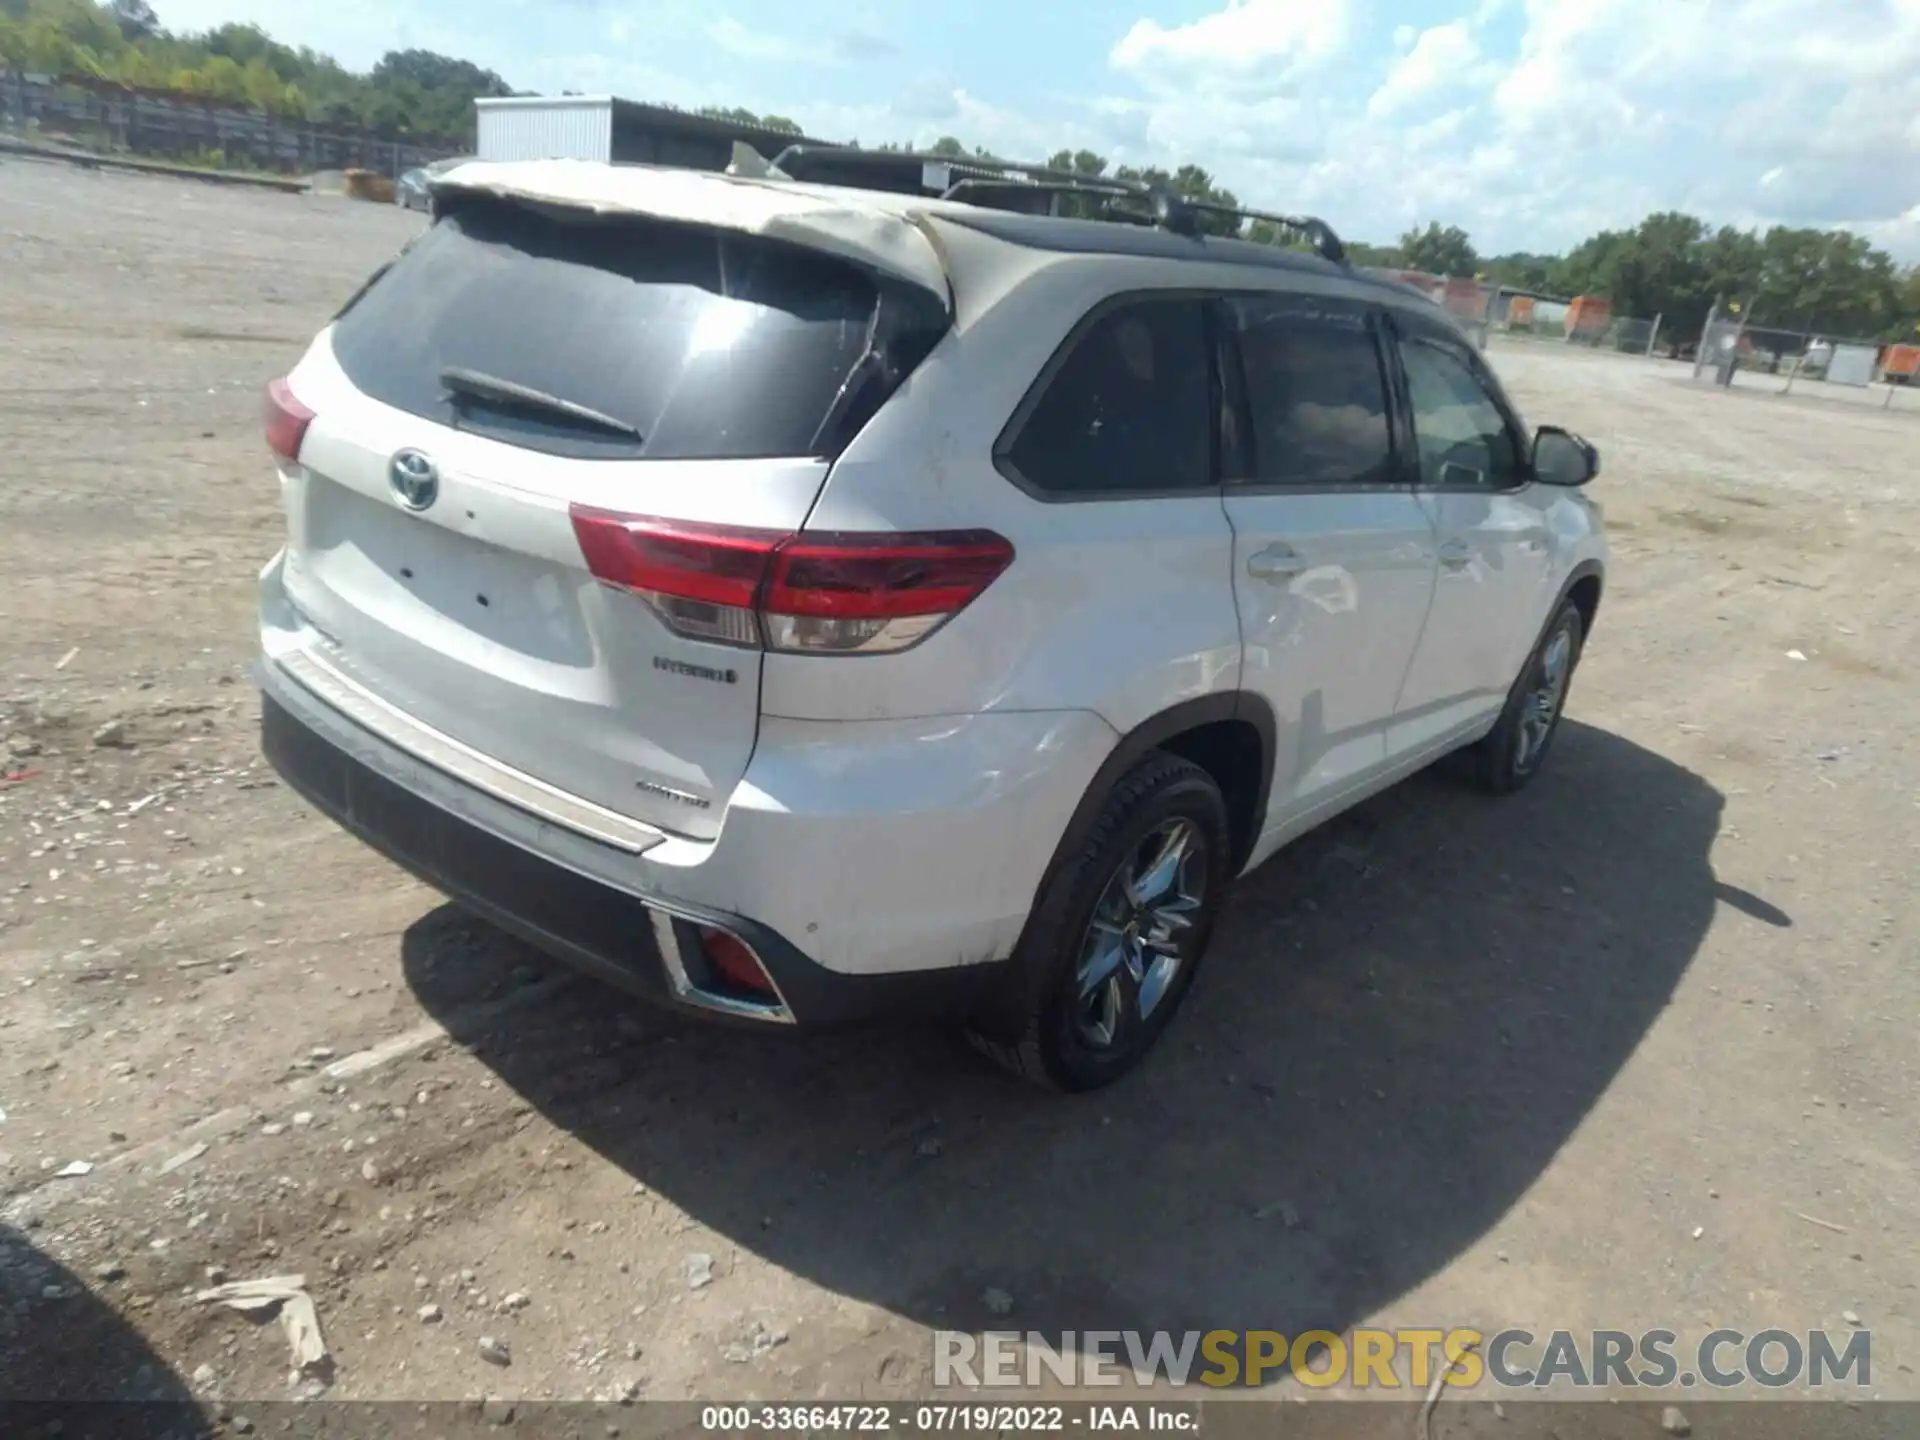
(818, 593)
(286, 421)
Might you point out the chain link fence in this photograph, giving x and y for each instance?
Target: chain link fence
(1580, 321)
(1630, 335)
(1734, 352)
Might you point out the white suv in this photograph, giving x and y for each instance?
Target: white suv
(800, 602)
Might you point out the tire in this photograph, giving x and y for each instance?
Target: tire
(1054, 1017)
(1502, 763)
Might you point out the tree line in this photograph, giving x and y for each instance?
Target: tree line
(1673, 265)
(410, 92)
(1829, 282)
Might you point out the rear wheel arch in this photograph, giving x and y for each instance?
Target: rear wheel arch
(1231, 735)
(1230, 738)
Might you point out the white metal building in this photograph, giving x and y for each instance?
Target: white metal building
(609, 129)
(565, 127)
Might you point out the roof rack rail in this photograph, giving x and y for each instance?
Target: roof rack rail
(928, 171)
(986, 180)
(1315, 231)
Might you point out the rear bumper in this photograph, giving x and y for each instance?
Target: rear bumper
(573, 897)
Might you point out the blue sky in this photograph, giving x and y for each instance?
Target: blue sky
(1531, 123)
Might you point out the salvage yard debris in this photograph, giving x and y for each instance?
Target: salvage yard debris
(286, 1296)
(186, 1157)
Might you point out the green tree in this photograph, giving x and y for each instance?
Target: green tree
(1191, 182)
(264, 89)
(1375, 257)
(429, 93)
(222, 80)
(1439, 251)
(1731, 264)
(135, 19)
(1521, 270)
(1078, 162)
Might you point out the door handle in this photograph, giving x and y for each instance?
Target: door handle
(1456, 555)
(1275, 564)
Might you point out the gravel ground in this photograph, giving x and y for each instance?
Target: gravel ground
(1632, 1049)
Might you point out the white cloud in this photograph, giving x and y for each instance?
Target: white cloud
(841, 47)
(1816, 94)
(1444, 62)
(751, 44)
(922, 111)
(1272, 37)
(1747, 111)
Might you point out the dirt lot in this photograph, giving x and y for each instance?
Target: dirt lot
(1635, 1048)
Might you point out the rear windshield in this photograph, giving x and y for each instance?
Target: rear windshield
(658, 341)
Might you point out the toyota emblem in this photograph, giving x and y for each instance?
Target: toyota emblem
(415, 479)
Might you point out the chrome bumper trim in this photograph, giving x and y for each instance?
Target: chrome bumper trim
(444, 753)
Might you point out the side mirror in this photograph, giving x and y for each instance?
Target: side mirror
(1561, 457)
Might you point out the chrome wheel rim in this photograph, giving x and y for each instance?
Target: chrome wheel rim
(1139, 938)
(1541, 708)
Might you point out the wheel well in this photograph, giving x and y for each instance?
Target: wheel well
(1586, 595)
(1231, 752)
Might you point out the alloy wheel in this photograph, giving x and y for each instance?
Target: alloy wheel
(1140, 936)
(1541, 708)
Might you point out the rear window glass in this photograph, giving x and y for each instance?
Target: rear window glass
(657, 341)
(1129, 410)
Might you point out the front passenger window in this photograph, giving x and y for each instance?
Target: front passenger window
(1463, 438)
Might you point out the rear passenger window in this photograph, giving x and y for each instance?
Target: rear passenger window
(1316, 394)
(1129, 411)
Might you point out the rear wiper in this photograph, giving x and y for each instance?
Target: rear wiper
(508, 392)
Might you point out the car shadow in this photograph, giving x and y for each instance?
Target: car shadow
(1403, 1018)
(70, 1364)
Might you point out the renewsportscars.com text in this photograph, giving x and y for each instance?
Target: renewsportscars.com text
(1378, 1359)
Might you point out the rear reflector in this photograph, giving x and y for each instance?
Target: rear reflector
(286, 421)
(831, 593)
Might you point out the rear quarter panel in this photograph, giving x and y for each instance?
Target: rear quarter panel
(1122, 607)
